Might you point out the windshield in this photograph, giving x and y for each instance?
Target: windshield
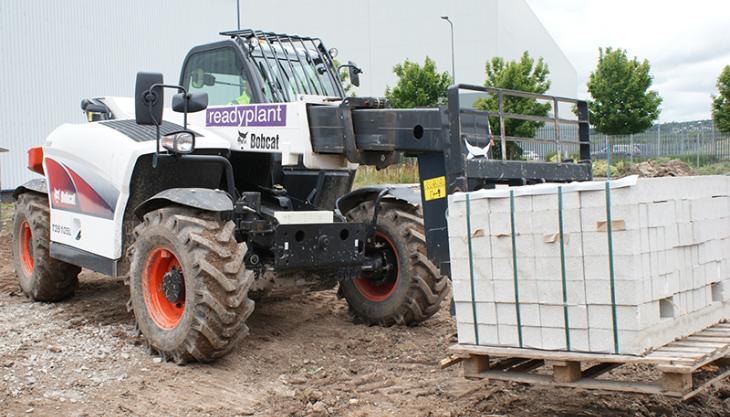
(290, 68)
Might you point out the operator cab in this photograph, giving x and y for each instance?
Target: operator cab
(268, 67)
(255, 67)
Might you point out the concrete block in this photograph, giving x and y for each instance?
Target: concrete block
(529, 291)
(532, 337)
(627, 317)
(625, 267)
(685, 234)
(508, 335)
(502, 246)
(460, 269)
(601, 340)
(661, 213)
(708, 207)
(663, 286)
(486, 313)
(709, 251)
(682, 211)
(467, 334)
(628, 292)
(553, 338)
(504, 291)
(625, 242)
(548, 221)
(502, 205)
(710, 229)
(501, 223)
(550, 268)
(551, 292)
(593, 217)
(548, 245)
(571, 200)
(481, 247)
(552, 315)
(483, 290)
(529, 314)
(502, 268)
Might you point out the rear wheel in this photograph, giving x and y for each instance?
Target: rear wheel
(188, 284)
(407, 288)
(41, 277)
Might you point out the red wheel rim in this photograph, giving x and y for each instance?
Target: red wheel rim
(26, 248)
(164, 313)
(380, 290)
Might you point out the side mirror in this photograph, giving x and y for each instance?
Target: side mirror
(148, 98)
(354, 72)
(195, 102)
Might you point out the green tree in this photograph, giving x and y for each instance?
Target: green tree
(622, 102)
(523, 75)
(418, 86)
(721, 102)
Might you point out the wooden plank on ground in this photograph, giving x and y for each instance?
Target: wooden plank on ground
(449, 361)
(589, 383)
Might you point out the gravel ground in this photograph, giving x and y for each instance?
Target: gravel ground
(304, 357)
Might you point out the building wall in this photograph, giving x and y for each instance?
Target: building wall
(56, 53)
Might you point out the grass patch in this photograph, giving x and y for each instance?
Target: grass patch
(718, 168)
(395, 174)
(6, 215)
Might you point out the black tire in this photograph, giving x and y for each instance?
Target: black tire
(41, 277)
(415, 294)
(213, 304)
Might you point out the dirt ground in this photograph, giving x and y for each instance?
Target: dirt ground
(303, 357)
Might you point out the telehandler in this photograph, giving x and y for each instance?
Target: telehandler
(243, 191)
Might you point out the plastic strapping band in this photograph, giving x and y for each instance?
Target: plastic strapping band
(514, 264)
(610, 266)
(562, 269)
(471, 268)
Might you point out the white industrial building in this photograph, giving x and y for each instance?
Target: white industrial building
(56, 53)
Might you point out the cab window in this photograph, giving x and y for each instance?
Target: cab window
(218, 72)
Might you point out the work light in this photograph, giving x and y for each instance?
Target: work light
(179, 142)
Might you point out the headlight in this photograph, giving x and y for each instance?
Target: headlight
(179, 142)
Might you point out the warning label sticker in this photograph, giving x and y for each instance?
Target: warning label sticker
(434, 188)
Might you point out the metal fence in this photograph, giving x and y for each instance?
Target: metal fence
(694, 146)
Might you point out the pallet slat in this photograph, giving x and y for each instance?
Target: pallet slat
(677, 361)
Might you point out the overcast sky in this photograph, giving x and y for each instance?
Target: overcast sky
(686, 42)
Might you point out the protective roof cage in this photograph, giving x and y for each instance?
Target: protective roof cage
(291, 65)
(563, 135)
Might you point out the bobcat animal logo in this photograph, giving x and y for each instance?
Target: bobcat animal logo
(242, 137)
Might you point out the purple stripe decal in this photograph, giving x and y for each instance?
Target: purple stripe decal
(252, 115)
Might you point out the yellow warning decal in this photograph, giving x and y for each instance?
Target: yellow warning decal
(434, 188)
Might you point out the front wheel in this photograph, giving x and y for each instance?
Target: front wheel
(406, 287)
(189, 285)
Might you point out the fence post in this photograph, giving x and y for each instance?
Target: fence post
(698, 149)
(631, 148)
(658, 152)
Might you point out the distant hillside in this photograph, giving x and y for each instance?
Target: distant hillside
(683, 127)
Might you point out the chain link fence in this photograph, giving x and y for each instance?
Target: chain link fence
(698, 145)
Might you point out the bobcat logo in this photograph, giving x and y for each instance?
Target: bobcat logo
(242, 138)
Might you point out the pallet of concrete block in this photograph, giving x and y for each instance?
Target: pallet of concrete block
(681, 368)
(622, 267)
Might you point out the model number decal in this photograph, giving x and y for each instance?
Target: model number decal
(434, 188)
(61, 230)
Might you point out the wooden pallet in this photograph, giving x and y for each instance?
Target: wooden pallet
(686, 365)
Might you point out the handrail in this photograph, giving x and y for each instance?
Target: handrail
(582, 117)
